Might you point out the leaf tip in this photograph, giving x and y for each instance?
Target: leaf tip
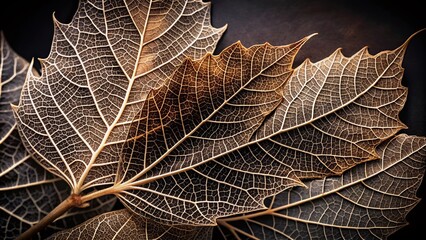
(404, 46)
(56, 23)
(223, 28)
(338, 51)
(302, 41)
(311, 36)
(42, 62)
(306, 62)
(32, 72)
(237, 45)
(30, 67)
(413, 35)
(303, 185)
(402, 125)
(55, 20)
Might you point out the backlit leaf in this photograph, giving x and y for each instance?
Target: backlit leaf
(208, 109)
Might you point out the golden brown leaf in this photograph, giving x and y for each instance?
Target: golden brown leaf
(200, 149)
(208, 109)
(189, 143)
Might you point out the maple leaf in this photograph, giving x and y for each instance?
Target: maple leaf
(28, 191)
(191, 152)
(131, 100)
(100, 68)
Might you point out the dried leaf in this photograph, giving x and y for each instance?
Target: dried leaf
(194, 156)
(122, 224)
(100, 69)
(209, 108)
(27, 191)
(189, 143)
(370, 201)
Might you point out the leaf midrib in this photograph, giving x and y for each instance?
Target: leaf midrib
(132, 80)
(133, 182)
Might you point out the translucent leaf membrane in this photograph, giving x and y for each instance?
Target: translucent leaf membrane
(208, 109)
(13, 71)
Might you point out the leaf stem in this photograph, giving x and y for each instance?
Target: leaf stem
(71, 201)
(224, 221)
(106, 191)
(74, 200)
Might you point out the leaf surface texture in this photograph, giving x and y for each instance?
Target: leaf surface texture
(192, 156)
(131, 96)
(369, 201)
(100, 69)
(122, 224)
(27, 191)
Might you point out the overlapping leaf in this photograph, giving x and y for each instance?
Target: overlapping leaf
(13, 70)
(100, 69)
(27, 191)
(208, 108)
(195, 157)
(186, 144)
(123, 224)
(370, 201)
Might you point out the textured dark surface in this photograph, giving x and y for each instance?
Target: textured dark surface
(350, 25)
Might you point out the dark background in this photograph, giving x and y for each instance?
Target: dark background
(28, 28)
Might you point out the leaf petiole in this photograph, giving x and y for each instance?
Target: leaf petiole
(74, 200)
(63, 207)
